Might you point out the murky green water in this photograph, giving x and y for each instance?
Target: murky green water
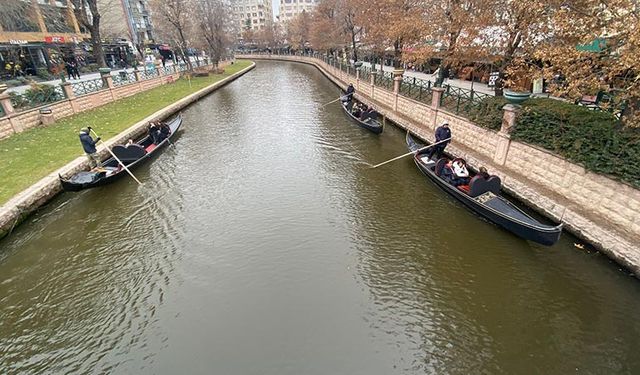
(261, 245)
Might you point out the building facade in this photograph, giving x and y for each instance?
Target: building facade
(36, 36)
(291, 8)
(254, 15)
(127, 20)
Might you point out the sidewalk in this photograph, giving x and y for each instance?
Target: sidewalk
(480, 87)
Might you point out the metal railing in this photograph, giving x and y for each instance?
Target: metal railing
(123, 78)
(384, 79)
(87, 87)
(461, 101)
(416, 88)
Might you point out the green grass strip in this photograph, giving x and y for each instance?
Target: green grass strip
(33, 154)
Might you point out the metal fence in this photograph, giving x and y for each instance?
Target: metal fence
(416, 88)
(123, 78)
(461, 101)
(87, 87)
(384, 79)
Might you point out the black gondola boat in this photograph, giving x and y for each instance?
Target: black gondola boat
(111, 170)
(371, 123)
(483, 197)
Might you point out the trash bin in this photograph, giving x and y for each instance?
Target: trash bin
(46, 116)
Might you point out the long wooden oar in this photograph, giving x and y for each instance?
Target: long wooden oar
(412, 152)
(333, 101)
(115, 157)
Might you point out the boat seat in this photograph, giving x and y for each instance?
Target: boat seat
(439, 166)
(151, 147)
(464, 188)
(128, 154)
(479, 185)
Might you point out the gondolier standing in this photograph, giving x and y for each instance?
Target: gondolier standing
(89, 146)
(350, 91)
(442, 132)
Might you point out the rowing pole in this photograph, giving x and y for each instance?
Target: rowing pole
(412, 152)
(333, 101)
(115, 157)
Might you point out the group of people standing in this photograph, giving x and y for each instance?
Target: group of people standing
(72, 69)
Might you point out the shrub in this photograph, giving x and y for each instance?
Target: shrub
(595, 139)
(13, 83)
(35, 96)
(44, 74)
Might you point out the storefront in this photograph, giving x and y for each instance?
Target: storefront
(19, 57)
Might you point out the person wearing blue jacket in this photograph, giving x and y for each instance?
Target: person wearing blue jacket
(89, 146)
(442, 132)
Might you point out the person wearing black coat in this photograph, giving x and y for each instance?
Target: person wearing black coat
(89, 147)
(442, 132)
(350, 91)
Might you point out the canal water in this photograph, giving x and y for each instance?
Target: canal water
(262, 244)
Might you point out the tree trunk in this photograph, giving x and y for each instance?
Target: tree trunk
(96, 42)
(397, 53)
(353, 44)
(184, 48)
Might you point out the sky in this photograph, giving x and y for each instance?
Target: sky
(276, 7)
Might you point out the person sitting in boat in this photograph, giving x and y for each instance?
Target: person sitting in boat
(349, 92)
(154, 132)
(456, 172)
(132, 144)
(365, 113)
(165, 131)
(482, 172)
(357, 110)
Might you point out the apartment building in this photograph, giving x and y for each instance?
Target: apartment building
(252, 15)
(291, 8)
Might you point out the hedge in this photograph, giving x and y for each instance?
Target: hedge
(595, 139)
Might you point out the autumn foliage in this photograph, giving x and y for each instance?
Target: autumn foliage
(581, 47)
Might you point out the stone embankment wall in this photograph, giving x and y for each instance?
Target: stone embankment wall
(23, 204)
(15, 122)
(598, 209)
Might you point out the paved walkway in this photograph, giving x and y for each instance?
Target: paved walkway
(480, 87)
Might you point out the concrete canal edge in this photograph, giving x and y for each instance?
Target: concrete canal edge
(18, 208)
(598, 210)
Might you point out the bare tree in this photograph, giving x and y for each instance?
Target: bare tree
(88, 14)
(175, 21)
(213, 19)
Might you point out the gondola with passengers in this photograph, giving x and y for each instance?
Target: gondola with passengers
(361, 114)
(481, 193)
(131, 155)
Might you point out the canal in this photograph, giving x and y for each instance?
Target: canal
(261, 244)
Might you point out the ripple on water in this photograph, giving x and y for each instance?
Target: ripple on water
(263, 243)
